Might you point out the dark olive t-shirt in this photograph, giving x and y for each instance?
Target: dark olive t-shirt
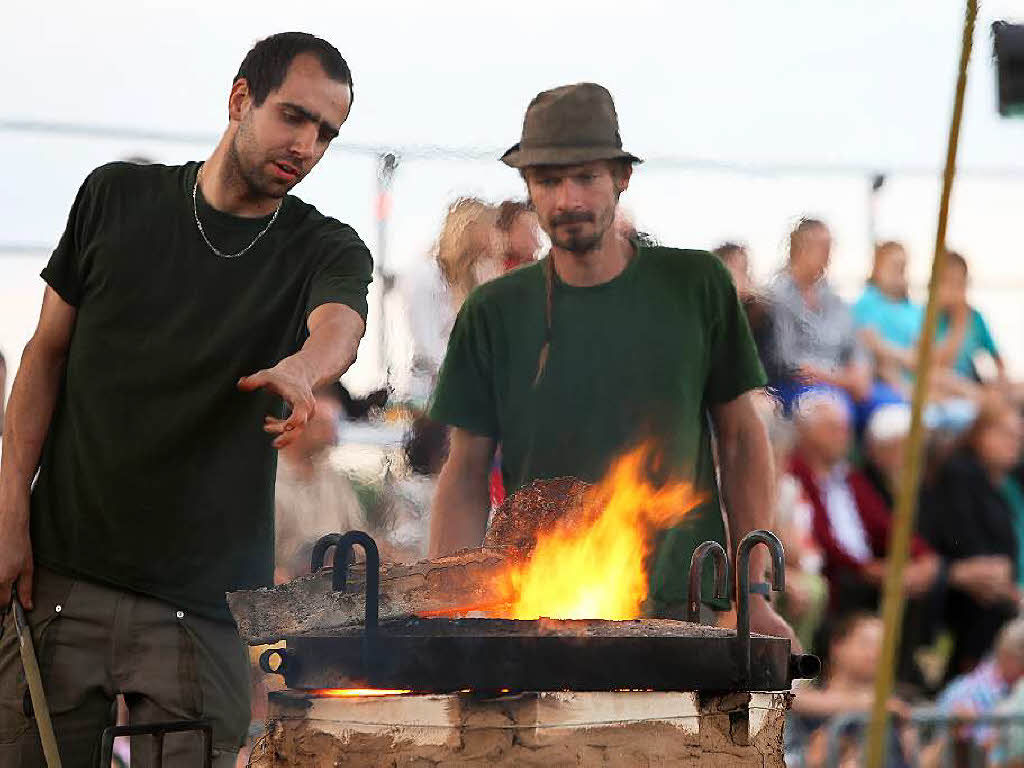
(640, 357)
(156, 475)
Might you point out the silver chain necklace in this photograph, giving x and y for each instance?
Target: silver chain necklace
(195, 211)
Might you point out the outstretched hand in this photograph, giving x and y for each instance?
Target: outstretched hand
(294, 385)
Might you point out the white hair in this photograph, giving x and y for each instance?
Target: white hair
(814, 401)
(888, 422)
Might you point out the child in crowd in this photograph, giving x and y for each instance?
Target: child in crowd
(847, 686)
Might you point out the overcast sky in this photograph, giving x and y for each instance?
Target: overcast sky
(737, 82)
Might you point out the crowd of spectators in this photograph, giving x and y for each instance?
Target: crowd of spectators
(841, 377)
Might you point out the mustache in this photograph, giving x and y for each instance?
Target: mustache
(578, 217)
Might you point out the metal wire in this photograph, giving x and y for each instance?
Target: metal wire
(491, 154)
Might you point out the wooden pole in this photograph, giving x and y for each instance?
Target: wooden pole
(903, 521)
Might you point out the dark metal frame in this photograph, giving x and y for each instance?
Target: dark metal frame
(406, 653)
(157, 731)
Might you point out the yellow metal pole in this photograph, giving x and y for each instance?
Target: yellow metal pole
(903, 522)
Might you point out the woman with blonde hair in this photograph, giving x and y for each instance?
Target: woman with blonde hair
(467, 249)
(466, 253)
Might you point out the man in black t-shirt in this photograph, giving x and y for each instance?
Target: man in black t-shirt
(189, 314)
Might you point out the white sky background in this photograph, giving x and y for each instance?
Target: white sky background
(739, 82)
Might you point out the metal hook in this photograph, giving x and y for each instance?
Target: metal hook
(777, 552)
(316, 562)
(343, 556)
(722, 573)
(342, 559)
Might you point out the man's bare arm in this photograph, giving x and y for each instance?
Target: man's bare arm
(748, 491)
(458, 516)
(334, 334)
(29, 412)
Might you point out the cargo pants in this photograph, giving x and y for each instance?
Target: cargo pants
(93, 642)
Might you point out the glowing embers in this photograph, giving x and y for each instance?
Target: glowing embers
(344, 693)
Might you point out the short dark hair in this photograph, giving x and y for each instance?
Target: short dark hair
(955, 259)
(266, 65)
(803, 225)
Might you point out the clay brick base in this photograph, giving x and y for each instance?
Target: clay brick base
(626, 729)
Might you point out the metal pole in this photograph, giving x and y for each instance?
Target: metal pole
(877, 181)
(387, 162)
(899, 545)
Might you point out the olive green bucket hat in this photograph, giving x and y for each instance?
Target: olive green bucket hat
(567, 126)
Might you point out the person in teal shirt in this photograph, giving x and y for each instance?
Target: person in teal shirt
(887, 322)
(962, 330)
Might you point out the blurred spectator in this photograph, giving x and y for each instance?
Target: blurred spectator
(814, 336)
(1012, 489)
(885, 442)
(963, 333)
(848, 685)
(804, 602)
(313, 497)
(982, 690)
(362, 408)
(468, 249)
(851, 519)
(736, 259)
(467, 253)
(519, 232)
(888, 323)
(967, 520)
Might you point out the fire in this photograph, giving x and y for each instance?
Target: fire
(593, 566)
(353, 692)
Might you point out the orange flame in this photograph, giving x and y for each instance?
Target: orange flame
(353, 692)
(593, 565)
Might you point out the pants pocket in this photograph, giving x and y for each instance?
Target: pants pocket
(223, 673)
(15, 703)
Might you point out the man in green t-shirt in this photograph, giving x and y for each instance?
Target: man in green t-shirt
(604, 343)
(185, 307)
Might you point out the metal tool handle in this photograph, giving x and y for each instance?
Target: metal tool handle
(35, 686)
(157, 731)
(774, 545)
(722, 573)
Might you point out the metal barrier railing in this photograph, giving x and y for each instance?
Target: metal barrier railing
(937, 739)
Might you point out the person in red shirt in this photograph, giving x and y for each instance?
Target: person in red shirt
(852, 523)
(851, 518)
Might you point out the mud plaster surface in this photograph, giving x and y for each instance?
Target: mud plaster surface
(722, 738)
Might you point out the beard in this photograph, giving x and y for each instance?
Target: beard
(576, 242)
(246, 164)
(567, 232)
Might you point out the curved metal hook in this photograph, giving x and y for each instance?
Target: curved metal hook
(777, 552)
(343, 556)
(722, 574)
(316, 562)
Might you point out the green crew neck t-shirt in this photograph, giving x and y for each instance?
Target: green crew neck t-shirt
(639, 358)
(156, 475)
